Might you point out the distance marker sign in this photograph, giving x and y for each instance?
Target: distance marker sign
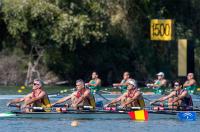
(161, 29)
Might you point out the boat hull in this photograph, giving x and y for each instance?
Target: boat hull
(87, 115)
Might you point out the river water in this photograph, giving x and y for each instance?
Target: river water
(96, 125)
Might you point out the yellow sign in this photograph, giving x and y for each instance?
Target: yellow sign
(182, 57)
(161, 29)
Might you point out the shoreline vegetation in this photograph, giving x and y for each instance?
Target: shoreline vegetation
(67, 40)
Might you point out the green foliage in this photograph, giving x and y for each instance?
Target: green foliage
(113, 36)
(42, 23)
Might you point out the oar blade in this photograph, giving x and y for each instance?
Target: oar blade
(7, 114)
(139, 115)
(187, 116)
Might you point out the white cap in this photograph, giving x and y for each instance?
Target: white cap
(132, 82)
(160, 74)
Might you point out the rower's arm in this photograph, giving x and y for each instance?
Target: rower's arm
(14, 101)
(116, 100)
(63, 99)
(186, 84)
(166, 97)
(163, 83)
(184, 94)
(18, 100)
(98, 83)
(32, 100)
(163, 98)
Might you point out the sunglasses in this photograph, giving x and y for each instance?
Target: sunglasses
(176, 85)
(35, 84)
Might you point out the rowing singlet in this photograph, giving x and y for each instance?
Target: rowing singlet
(94, 88)
(186, 101)
(90, 100)
(191, 89)
(123, 87)
(139, 101)
(44, 102)
(159, 90)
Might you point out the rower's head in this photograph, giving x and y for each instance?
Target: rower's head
(94, 75)
(131, 85)
(80, 84)
(126, 75)
(190, 76)
(160, 75)
(177, 85)
(37, 83)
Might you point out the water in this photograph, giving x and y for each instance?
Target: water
(96, 125)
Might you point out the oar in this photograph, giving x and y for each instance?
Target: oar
(58, 108)
(147, 99)
(102, 96)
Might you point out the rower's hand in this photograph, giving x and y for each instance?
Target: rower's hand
(52, 104)
(123, 106)
(152, 102)
(106, 105)
(8, 104)
(87, 84)
(74, 106)
(115, 85)
(23, 106)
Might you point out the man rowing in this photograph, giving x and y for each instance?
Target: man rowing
(80, 98)
(178, 99)
(123, 84)
(131, 98)
(37, 98)
(95, 83)
(190, 84)
(159, 84)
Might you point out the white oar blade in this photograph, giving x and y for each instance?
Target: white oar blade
(7, 114)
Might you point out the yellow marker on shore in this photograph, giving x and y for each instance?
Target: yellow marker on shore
(19, 91)
(23, 87)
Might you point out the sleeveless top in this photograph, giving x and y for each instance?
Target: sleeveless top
(186, 101)
(90, 99)
(140, 100)
(93, 89)
(42, 102)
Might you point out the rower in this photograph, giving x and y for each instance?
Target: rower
(94, 84)
(131, 98)
(37, 98)
(123, 84)
(190, 84)
(80, 98)
(177, 99)
(159, 84)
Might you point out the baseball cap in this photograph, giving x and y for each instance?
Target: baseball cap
(160, 74)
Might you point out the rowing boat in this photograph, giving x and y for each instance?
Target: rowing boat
(97, 114)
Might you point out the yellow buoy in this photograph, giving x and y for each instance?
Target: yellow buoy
(74, 123)
(23, 87)
(19, 91)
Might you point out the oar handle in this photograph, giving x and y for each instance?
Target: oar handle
(14, 105)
